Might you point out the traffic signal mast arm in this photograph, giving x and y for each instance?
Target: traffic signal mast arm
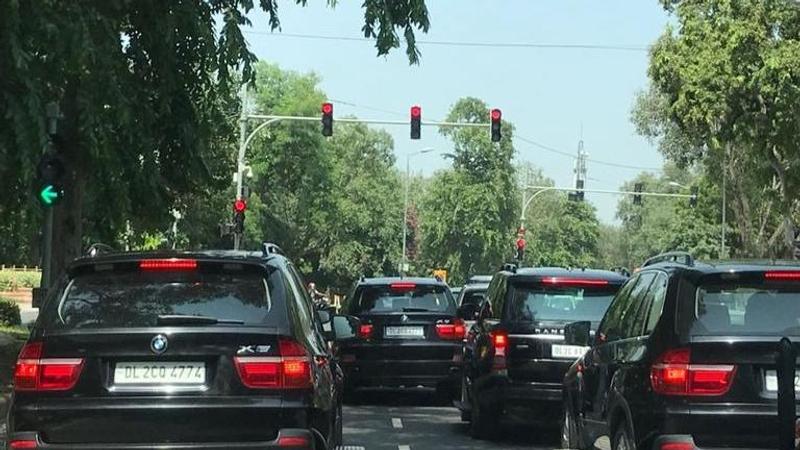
(541, 189)
(269, 119)
(273, 119)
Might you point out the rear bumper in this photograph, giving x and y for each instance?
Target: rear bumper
(522, 402)
(710, 426)
(385, 374)
(369, 368)
(287, 439)
(686, 442)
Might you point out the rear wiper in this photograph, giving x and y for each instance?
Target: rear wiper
(416, 310)
(178, 319)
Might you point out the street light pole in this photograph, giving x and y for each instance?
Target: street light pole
(404, 259)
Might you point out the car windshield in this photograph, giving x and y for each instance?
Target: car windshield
(473, 297)
(746, 309)
(533, 302)
(389, 299)
(142, 300)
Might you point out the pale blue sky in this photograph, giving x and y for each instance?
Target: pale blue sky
(547, 93)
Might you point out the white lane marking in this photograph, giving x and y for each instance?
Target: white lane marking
(403, 447)
(397, 423)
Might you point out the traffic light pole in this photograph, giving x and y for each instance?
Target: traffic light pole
(542, 189)
(47, 246)
(267, 120)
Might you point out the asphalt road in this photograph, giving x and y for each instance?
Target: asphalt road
(403, 422)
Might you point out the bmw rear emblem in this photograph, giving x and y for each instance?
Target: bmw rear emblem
(159, 344)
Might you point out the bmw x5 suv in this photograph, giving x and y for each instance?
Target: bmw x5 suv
(685, 358)
(213, 350)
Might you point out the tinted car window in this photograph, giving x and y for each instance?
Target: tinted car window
(406, 298)
(749, 308)
(534, 302)
(634, 316)
(138, 299)
(473, 297)
(620, 316)
(655, 301)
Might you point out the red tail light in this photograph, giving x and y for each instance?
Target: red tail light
(20, 444)
(293, 442)
(677, 446)
(451, 331)
(782, 275)
(365, 331)
(168, 264)
(672, 374)
(560, 281)
(291, 370)
(500, 346)
(32, 373)
(403, 286)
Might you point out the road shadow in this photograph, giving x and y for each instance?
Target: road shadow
(397, 398)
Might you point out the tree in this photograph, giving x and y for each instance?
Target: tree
(146, 93)
(663, 224)
(750, 203)
(332, 204)
(467, 214)
(730, 74)
(559, 232)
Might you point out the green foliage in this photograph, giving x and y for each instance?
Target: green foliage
(18, 333)
(146, 90)
(14, 279)
(467, 214)
(729, 76)
(559, 232)
(334, 205)
(9, 313)
(668, 224)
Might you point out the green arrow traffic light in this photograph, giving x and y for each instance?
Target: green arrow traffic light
(49, 195)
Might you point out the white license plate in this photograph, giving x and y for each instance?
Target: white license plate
(405, 332)
(160, 373)
(771, 377)
(568, 351)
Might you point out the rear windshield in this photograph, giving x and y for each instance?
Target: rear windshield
(753, 308)
(535, 302)
(107, 300)
(473, 297)
(388, 299)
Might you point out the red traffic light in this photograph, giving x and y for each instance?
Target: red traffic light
(239, 206)
(416, 111)
(496, 115)
(327, 108)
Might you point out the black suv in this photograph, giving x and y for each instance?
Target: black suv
(685, 358)
(409, 337)
(514, 357)
(211, 350)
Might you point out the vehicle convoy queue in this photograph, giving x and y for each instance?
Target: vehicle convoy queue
(229, 350)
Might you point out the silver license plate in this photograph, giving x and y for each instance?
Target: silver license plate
(405, 332)
(166, 373)
(771, 378)
(568, 351)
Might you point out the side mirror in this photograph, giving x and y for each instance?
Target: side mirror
(578, 333)
(468, 311)
(325, 318)
(345, 327)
